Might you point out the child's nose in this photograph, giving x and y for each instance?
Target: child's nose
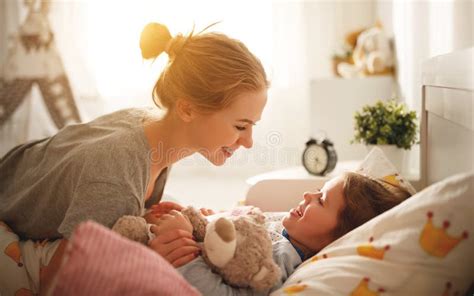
(308, 196)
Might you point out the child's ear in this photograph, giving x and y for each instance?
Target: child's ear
(185, 110)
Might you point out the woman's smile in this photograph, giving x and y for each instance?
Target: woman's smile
(228, 151)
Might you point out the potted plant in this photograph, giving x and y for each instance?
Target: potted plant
(390, 126)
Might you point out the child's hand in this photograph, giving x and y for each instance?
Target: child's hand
(165, 207)
(173, 220)
(206, 212)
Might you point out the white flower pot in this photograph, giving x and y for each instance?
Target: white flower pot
(394, 154)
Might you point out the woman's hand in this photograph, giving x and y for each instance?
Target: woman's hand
(176, 246)
(165, 207)
(173, 220)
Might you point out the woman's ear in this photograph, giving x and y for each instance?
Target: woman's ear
(185, 110)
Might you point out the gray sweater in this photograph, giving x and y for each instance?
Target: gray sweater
(97, 170)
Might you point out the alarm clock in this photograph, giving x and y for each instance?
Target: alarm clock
(319, 157)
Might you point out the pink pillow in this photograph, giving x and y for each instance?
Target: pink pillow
(100, 262)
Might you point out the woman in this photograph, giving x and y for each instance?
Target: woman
(213, 90)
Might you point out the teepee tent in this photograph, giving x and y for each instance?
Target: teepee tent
(32, 58)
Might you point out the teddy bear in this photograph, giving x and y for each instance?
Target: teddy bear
(372, 55)
(238, 248)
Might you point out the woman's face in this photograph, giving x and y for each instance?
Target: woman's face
(311, 223)
(218, 135)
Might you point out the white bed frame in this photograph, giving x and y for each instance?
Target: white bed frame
(447, 133)
(447, 126)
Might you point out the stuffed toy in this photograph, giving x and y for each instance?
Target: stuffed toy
(372, 55)
(344, 52)
(238, 248)
(134, 228)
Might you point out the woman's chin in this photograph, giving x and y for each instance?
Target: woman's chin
(219, 163)
(217, 160)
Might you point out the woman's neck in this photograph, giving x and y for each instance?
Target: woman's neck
(168, 142)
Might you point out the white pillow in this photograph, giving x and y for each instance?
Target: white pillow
(378, 166)
(423, 246)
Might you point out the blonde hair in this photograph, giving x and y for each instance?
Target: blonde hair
(207, 69)
(365, 198)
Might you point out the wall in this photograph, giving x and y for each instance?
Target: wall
(327, 24)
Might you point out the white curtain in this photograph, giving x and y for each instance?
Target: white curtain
(424, 29)
(421, 30)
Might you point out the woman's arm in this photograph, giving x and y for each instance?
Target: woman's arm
(49, 272)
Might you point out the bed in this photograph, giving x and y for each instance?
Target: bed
(447, 127)
(421, 247)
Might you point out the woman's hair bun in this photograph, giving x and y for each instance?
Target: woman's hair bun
(153, 40)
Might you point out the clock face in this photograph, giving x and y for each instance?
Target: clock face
(315, 159)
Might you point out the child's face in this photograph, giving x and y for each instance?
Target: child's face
(313, 220)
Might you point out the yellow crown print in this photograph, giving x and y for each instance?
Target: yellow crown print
(371, 251)
(363, 289)
(294, 289)
(436, 241)
(392, 179)
(314, 259)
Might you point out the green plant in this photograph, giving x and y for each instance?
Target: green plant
(386, 123)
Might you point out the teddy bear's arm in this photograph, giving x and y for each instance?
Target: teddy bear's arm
(198, 221)
(132, 227)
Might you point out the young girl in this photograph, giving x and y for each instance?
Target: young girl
(344, 203)
(213, 90)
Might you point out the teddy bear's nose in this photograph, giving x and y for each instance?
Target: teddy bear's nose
(225, 230)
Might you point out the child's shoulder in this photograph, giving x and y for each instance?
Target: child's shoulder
(273, 224)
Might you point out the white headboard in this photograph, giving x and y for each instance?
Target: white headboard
(447, 124)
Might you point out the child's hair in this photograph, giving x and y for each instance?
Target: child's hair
(207, 69)
(365, 198)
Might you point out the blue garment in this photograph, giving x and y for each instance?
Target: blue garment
(287, 236)
(200, 275)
